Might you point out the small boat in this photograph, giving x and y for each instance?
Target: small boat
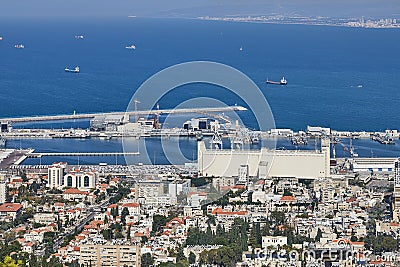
(130, 47)
(75, 70)
(79, 37)
(1, 38)
(283, 81)
(19, 46)
(241, 48)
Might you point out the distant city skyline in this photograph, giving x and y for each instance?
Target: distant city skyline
(180, 8)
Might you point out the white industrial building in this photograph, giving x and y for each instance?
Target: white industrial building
(306, 164)
(281, 132)
(318, 131)
(198, 124)
(373, 164)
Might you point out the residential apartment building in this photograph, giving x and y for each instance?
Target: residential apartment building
(109, 255)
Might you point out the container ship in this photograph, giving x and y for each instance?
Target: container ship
(283, 81)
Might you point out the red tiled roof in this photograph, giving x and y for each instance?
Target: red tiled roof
(131, 205)
(138, 234)
(288, 198)
(219, 211)
(75, 191)
(351, 200)
(10, 207)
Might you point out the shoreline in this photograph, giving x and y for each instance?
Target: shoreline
(348, 24)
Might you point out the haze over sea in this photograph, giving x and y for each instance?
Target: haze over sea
(343, 78)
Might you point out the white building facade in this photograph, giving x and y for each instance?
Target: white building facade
(306, 164)
(55, 174)
(3, 192)
(178, 187)
(81, 180)
(59, 179)
(273, 241)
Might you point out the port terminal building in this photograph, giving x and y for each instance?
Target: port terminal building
(373, 164)
(265, 163)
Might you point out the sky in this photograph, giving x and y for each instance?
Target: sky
(195, 8)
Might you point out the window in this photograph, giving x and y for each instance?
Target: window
(69, 180)
(86, 181)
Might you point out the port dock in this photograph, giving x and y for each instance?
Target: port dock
(80, 154)
(126, 113)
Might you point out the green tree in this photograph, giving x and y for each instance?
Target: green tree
(180, 256)
(124, 213)
(192, 258)
(318, 236)
(158, 222)
(9, 262)
(147, 260)
(278, 217)
(287, 192)
(107, 234)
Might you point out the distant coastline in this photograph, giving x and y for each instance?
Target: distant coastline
(382, 23)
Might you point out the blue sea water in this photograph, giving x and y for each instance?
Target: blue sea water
(343, 78)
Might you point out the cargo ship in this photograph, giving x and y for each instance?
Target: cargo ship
(76, 70)
(283, 81)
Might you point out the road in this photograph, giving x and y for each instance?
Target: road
(92, 212)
